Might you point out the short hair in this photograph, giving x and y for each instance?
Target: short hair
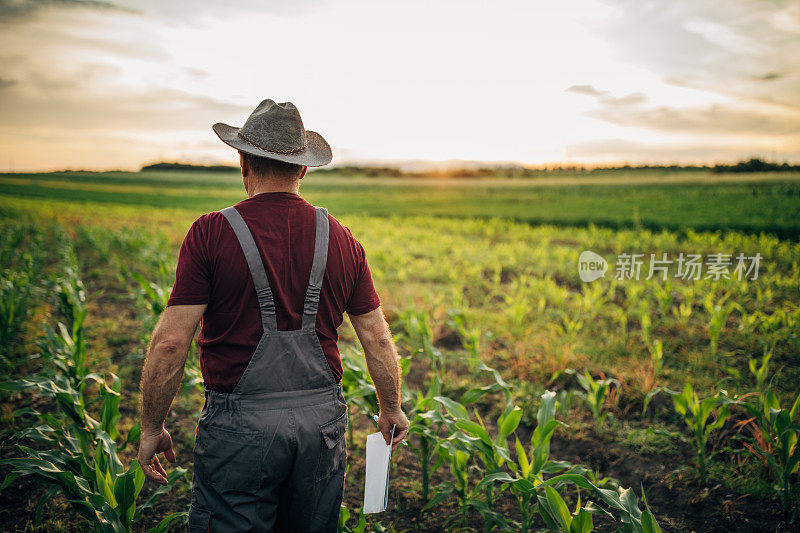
(263, 167)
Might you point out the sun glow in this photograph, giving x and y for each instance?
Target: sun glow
(525, 82)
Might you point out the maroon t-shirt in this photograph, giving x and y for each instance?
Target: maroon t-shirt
(212, 270)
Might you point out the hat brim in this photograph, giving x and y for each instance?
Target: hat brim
(316, 154)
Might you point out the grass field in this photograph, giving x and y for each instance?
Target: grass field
(471, 273)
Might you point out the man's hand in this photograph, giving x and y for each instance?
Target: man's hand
(150, 445)
(387, 419)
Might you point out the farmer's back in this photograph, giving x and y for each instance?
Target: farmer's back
(212, 269)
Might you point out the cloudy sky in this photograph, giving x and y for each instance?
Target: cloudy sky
(97, 84)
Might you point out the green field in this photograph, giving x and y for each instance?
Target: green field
(479, 280)
(646, 199)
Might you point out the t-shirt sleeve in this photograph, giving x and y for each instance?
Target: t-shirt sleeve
(193, 273)
(363, 298)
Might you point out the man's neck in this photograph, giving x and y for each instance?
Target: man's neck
(268, 185)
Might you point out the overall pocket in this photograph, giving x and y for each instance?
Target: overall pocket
(199, 519)
(333, 448)
(228, 459)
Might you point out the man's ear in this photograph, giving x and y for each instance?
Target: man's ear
(244, 165)
(302, 173)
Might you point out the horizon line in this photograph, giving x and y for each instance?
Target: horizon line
(436, 165)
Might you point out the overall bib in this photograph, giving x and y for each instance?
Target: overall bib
(271, 455)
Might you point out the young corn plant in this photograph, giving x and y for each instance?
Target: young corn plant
(518, 307)
(645, 321)
(683, 312)
(702, 417)
(621, 318)
(558, 518)
(153, 295)
(361, 522)
(76, 455)
(64, 347)
(424, 415)
(419, 334)
(593, 298)
(470, 441)
(532, 464)
(564, 402)
(623, 501)
(457, 451)
(663, 296)
(718, 312)
(556, 514)
(425, 425)
(457, 458)
(473, 339)
(760, 369)
(657, 359)
(569, 326)
(16, 289)
(594, 395)
(777, 446)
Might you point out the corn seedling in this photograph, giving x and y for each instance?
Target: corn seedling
(153, 295)
(593, 298)
(621, 318)
(778, 443)
(344, 515)
(595, 391)
(664, 297)
(718, 312)
(418, 333)
(517, 307)
(564, 402)
(556, 514)
(683, 312)
(472, 338)
(425, 424)
(16, 289)
(65, 345)
(471, 440)
(645, 322)
(759, 369)
(425, 418)
(622, 501)
(702, 417)
(569, 326)
(657, 358)
(534, 462)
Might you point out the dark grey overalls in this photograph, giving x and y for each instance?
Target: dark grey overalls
(271, 455)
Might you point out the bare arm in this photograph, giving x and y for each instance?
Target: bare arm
(384, 369)
(161, 379)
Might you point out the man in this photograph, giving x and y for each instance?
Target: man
(271, 278)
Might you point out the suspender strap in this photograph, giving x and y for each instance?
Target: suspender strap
(317, 269)
(265, 301)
